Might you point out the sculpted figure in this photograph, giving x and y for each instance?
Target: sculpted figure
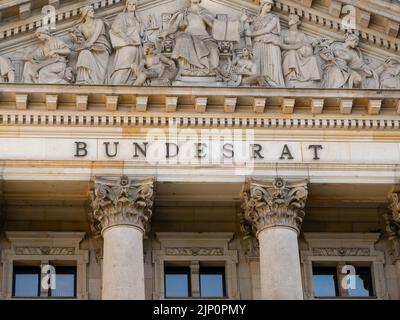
(345, 66)
(195, 49)
(155, 66)
(7, 72)
(126, 37)
(48, 63)
(266, 31)
(300, 67)
(390, 73)
(243, 72)
(93, 47)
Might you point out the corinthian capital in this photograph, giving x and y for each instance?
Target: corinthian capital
(392, 221)
(121, 201)
(270, 204)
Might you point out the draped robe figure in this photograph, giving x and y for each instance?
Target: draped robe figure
(7, 72)
(94, 48)
(345, 66)
(300, 66)
(126, 38)
(195, 49)
(266, 32)
(48, 63)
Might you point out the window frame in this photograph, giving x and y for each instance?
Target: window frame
(195, 249)
(357, 249)
(38, 248)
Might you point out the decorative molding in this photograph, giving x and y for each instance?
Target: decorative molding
(195, 251)
(45, 251)
(392, 222)
(121, 201)
(341, 252)
(270, 204)
(197, 121)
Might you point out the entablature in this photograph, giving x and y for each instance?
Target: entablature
(198, 107)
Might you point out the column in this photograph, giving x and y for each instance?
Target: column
(122, 210)
(392, 221)
(274, 212)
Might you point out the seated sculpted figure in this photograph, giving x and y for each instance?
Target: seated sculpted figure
(300, 67)
(243, 71)
(390, 73)
(93, 46)
(7, 72)
(345, 66)
(48, 63)
(195, 49)
(154, 66)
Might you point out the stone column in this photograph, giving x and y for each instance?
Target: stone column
(392, 221)
(122, 210)
(274, 213)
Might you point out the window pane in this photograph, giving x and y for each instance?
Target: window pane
(65, 285)
(26, 282)
(325, 282)
(212, 282)
(363, 283)
(177, 282)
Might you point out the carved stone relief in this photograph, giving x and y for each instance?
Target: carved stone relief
(194, 45)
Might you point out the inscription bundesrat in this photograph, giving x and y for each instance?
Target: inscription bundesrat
(198, 150)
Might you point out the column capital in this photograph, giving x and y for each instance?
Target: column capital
(268, 204)
(121, 201)
(392, 222)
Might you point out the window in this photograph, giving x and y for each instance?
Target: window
(27, 282)
(65, 282)
(212, 282)
(177, 282)
(363, 284)
(194, 281)
(327, 282)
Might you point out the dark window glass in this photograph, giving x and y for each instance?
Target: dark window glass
(325, 282)
(65, 285)
(363, 283)
(177, 282)
(26, 281)
(212, 282)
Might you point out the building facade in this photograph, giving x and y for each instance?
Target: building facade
(228, 149)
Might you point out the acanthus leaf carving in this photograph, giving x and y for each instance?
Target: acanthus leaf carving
(280, 203)
(121, 202)
(392, 222)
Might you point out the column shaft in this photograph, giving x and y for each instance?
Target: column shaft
(123, 266)
(280, 264)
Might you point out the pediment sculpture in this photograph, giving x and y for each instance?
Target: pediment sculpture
(197, 46)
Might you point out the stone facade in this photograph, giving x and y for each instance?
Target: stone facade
(258, 137)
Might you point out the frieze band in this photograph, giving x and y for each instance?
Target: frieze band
(194, 45)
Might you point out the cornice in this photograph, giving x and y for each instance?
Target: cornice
(198, 107)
